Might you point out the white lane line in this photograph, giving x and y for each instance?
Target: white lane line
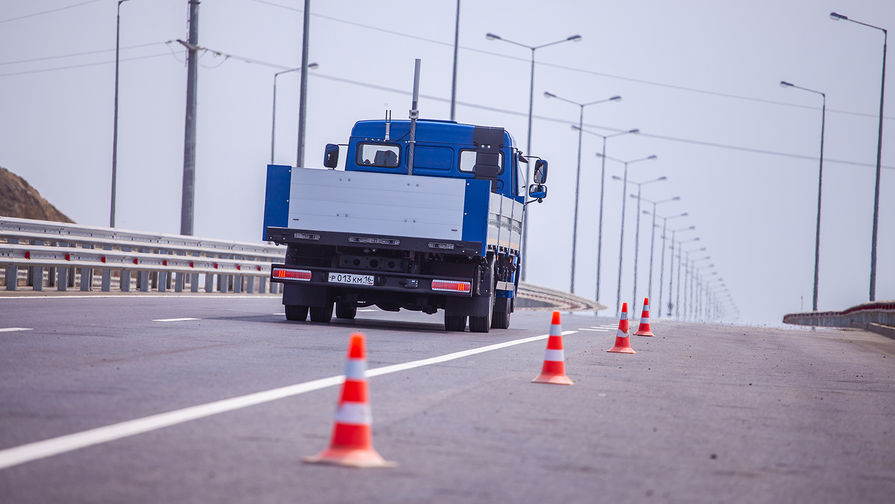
(63, 444)
(282, 314)
(15, 329)
(184, 319)
(593, 330)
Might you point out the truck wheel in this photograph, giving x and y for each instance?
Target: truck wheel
(296, 313)
(454, 322)
(500, 319)
(483, 323)
(322, 314)
(346, 310)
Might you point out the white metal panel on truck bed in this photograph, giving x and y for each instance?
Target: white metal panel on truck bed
(377, 203)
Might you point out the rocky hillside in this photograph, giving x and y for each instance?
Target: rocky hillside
(19, 199)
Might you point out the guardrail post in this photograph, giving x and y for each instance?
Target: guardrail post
(178, 281)
(36, 273)
(262, 281)
(106, 282)
(194, 282)
(12, 271)
(161, 280)
(209, 282)
(51, 277)
(143, 277)
(250, 285)
(87, 275)
(62, 279)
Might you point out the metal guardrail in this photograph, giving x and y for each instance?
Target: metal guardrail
(37, 253)
(878, 317)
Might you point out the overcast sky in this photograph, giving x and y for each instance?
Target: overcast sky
(698, 78)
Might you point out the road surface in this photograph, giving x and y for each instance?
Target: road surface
(702, 413)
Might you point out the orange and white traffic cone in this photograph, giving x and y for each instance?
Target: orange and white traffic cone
(554, 368)
(352, 439)
(622, 341)
(644, 329)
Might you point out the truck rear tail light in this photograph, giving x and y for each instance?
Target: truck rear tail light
(451, 286)
(441, 245)
(292, 274)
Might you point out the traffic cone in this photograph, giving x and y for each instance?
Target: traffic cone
(644, 329)
(554, 369)
(622, 341)
(352, 439)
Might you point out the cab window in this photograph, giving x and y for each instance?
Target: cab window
(467, 161)
(387, 156)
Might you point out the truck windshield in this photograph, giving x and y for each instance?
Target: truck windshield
(378, 155)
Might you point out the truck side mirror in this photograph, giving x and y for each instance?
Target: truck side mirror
(537, 191)
(331, 156)
(540, 174)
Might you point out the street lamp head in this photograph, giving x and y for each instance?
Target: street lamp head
(548, 94)
(575, 38)
(616, 177)
(634, 131)
(676, 198)
(313, 65)
(616, 98)
(783, 83)
(692, 227)
(835, 16)
(663, 177)
(653, 157)
(491, 36)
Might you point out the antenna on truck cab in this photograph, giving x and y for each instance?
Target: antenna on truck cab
(414, 113)
(388, 123)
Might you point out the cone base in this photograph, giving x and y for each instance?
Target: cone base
(553, 379)
(367, 458)
(617, 349)
(644, 333)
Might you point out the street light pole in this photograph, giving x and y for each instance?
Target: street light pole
(115, 119)
(303, 86)
(602, 187)
(621, 240)
(581, 106)
(820, 177)
(273, 120)
(879, 151)
(531, 94)
(652, 246)
(454, 78)
(637, 236)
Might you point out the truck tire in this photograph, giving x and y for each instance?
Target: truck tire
(296, 313)
(500, 319)
(346, 309)
(454, 322)
(483, 323)
(322, 314)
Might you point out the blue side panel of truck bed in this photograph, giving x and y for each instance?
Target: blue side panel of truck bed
(475, 212)
(276, 200)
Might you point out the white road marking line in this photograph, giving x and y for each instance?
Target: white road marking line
(55, 446)
(16, 329)
(591, 329)
(184, 319)
(282, 314)
(367, 309)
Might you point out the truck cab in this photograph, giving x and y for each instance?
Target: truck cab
(425, 216)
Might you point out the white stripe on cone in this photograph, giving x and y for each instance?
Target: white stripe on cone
(354, 413)
(554, 355)
(621, 334)
(555, 329)
(356, 369)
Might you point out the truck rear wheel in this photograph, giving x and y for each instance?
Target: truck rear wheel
(322, 314)
(454, 322)
(346, 309)
(296, 313)
(500, 319)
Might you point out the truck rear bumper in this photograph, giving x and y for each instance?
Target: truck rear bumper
(332, 238)
(382, 281)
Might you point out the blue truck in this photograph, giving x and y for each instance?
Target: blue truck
(426, 215)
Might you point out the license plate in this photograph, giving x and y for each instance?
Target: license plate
(348, 278)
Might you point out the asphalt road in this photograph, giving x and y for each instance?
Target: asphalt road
(702, 413)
